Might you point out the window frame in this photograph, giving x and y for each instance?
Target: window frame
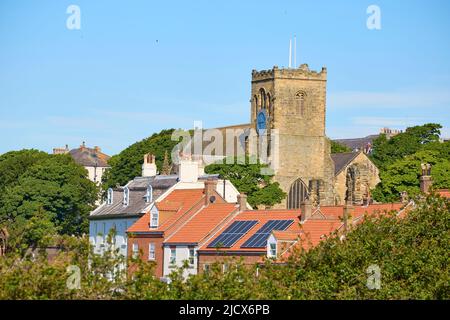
(135, 250)
(191, 256)
(173, 256)
(273, 249)
(151, 248)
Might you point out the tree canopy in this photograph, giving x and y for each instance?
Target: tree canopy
(128, 164)
(50, 194)
(399, 160)
(409, 254)
(337, 147)
(247, 176)
(387, 151)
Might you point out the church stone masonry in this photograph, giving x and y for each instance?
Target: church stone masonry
(295, 103)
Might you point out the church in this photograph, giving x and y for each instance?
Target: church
(292, 102)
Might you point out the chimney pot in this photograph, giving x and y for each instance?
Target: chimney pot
(348, 212)
(149, 167)
(306, 209)
(210, 187)
(242, 201)
(425, 180)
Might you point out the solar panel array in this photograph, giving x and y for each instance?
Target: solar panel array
(232, 234)
(259, 239)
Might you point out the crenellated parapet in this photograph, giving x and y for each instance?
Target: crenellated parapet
(302, 73)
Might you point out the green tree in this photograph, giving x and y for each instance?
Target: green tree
(404, 175)
(14, 163)
(55, 189)
(128, 164)
(247, 176)
(387, 151)
(337, 147)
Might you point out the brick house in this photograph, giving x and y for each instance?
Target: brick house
(165, 234)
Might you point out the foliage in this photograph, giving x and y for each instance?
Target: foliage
(128, 164)
(411, 252)
(51, 195)
(404, 175)
(247, 175)
(400, 157)
(387, 151)
(337, 147)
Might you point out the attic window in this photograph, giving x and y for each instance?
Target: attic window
(272, 249)
(154, 217)
(149, 194)
(126, 196)
(110, 195)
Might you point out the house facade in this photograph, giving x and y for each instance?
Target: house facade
(125, 205)
(92, 159)
(170, 232)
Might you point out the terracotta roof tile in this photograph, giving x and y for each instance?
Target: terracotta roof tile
(179, 200)
(203, 223)
(444, 193)
(286, 235)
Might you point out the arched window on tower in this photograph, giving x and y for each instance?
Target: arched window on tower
(262, 94)
(255, 101)
(269, 105)
(297, 194)
(300, 103)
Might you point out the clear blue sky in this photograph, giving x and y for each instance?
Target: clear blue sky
(136, 67)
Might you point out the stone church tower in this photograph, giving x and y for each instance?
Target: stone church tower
(293, 101)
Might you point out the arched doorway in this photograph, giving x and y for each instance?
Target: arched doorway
(297, 194)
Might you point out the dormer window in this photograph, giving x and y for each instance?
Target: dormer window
(273, 250)
(154, 217)
(109, 199)
(149, 194)
(126, 196)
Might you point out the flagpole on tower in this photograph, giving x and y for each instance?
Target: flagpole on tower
(290, 53)
(295, 51)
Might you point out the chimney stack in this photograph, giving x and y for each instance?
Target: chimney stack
(348, 212)
(306, 209)
(188, 170)
(425, 179)
(149, 167)
(242, 201)
(210, 187)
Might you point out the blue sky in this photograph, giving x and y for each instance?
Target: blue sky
(136, 67)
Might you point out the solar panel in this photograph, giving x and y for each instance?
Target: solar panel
(232, 234)
(259, 239)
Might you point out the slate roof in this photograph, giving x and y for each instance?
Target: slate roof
(89, 157)
(137, 204)
(341, 160)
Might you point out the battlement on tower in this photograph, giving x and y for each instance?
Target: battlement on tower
(302, 73)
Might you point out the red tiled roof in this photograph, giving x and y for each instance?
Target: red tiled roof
(286, 235)
(262, 216)
(203, 223)
(444, 193)
(179, 200)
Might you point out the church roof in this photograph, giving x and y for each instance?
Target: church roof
(341, 160)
